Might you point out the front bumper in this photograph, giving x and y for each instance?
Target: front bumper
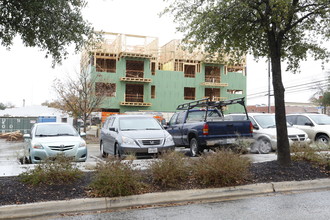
(79, 154)
(150, 150)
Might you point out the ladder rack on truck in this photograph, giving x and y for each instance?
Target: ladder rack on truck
(207, 103)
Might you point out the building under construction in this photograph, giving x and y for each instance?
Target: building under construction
(138, 75)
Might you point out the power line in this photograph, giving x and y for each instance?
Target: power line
(297, 87)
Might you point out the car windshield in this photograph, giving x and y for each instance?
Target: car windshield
(266, 121)
(46, 130)
(320, 119)
(131, 123)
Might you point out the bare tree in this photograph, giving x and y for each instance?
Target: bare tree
(79, 96)
(322, 96)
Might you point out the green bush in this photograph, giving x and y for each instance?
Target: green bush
(170, 171)
(115, 178)
(52, 171)
(312, 153)
(222, 168)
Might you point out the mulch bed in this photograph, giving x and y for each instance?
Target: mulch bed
(13, 191)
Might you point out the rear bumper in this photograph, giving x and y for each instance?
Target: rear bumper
(229, 141)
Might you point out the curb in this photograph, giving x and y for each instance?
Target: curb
(107, 204)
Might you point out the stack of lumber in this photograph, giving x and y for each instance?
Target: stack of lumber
(12, 136)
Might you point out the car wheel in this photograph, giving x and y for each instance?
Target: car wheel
(264, 146)
(103, 154)
(323, 139)
(195, 148)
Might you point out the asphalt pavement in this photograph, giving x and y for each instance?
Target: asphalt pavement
(9, 166)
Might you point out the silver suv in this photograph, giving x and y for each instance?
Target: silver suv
(317, 126)
(264, 132)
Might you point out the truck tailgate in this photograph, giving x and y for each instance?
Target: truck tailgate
(227, 129)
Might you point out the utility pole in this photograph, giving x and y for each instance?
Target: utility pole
(268, 85)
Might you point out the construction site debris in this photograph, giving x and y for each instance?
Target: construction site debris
(12, 136)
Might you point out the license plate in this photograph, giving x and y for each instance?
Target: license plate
(152, 150)
(230, 140)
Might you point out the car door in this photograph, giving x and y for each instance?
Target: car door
(174, 127)
(305, 124)
(106, 135)
(113, 134)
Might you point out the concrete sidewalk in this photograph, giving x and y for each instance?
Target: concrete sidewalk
(55, 208)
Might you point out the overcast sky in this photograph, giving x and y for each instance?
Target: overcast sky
(27, 75)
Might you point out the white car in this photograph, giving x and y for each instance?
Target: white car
(264, 132)
(317, 126)
(49, 139)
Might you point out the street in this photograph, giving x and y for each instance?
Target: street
(306, 205)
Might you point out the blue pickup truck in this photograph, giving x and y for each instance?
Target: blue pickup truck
(200, 125)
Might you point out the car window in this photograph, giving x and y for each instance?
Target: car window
(173, 119)
(303, 120)
(194, 116)
(199, 115)
(320, 119)
(45, 130)
(115, 123)
(292, 119)
(106, 124)
(131, 123)
(180, 118)
(111, 122)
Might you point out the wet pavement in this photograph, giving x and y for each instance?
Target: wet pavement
(306, 205)
(12, 152)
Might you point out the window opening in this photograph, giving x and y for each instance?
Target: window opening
(153, 68)
(153, 92)
(134, 68)
(189, 71)
(105, 89)
(212, 74)
(189, 93)
(134, 93)
(213, 93)
(105, 65)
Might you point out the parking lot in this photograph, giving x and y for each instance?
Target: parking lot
(12, 152)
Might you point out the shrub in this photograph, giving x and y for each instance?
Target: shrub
(52, 171)
(170, 171)
(312, 153)
(222, 168)
(115, 178)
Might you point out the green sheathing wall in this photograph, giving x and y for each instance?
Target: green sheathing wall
(236, 81)
(169, 87)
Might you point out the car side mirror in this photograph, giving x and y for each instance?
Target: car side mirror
(82, 134)
(112, 129)
(256, 127)
(309, 124)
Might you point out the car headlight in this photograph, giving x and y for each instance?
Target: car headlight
(37, 146)
(169, 140)
(82, 144)
(127, 140)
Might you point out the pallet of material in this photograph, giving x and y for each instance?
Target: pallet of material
(12, 136)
